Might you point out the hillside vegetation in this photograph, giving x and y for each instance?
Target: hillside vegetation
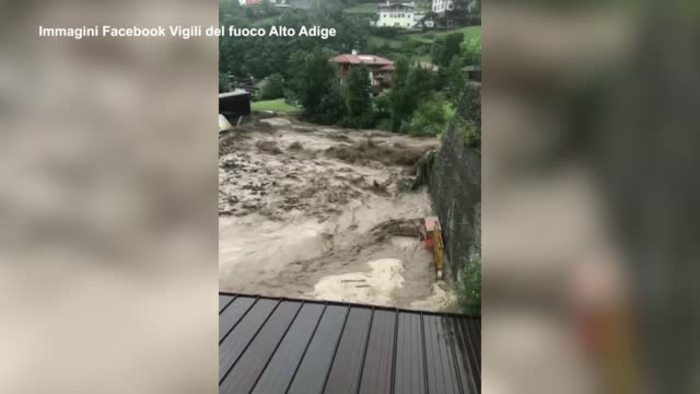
(429, 67)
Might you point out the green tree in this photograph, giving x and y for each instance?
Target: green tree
(457, 79)
(267, 8)
(273, 88)
(420, 83)
(316, 87)
(332, 106)
(471, 52)
(381, 111)
(262, 56)
(447, 47)
(411, 84)
(358, 92)
(431, 117)
(398, 97)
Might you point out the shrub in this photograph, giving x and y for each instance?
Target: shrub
(384, 124)
(273, 88)
(431, 117)
(386, 32)
(468, 131)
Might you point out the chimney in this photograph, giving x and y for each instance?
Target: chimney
(354, 51)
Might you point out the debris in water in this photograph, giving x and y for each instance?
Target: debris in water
(324, 203)
(269, 147)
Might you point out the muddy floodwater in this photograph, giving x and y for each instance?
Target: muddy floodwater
(316, 212)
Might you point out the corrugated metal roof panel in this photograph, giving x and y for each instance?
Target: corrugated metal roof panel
(344, 376)
(224, 300)
(279, 372)
(244, 374)
(409, 372)
(233, 345)
(313, 369)
(379, 354)
(270, 345)
(231, 313)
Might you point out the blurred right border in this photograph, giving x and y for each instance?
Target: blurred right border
(588, 196)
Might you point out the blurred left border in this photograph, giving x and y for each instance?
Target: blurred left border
(108, 234)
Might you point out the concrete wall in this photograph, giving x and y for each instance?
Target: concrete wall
(455, 186)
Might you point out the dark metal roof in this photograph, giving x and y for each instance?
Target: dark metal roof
(235, 104)
(272, 345)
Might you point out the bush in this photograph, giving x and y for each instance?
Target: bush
(357, 92)
(363, 121)
(384, 124)
(273, 88)
(470, 136)
(382, 106)
(330, 108)
(469, 296)
(468, 131)
(471, 52)
(316, 87)
(431, 117)
(446, 47)
(386, 32)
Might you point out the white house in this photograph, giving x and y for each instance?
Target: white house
(443, 6)
(399, 15)
(440, 5)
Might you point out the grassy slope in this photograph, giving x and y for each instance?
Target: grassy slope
(471, 33)
(278, 105)
(366, 8)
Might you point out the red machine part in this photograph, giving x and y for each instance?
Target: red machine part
(428, 225)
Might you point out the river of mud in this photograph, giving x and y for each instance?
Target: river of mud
(317, 212)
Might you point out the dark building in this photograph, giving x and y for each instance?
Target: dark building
(234, 104)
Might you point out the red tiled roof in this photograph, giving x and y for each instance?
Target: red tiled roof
(369, 60)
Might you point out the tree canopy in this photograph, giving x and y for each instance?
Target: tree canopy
(421, 94)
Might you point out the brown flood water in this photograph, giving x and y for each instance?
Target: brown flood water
(316, 212)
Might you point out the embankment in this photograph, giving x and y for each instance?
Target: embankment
(455, 184)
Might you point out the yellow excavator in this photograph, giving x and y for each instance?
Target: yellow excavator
(431, 235)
